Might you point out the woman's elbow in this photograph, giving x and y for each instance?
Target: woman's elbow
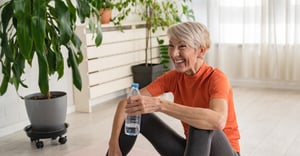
(220, 124)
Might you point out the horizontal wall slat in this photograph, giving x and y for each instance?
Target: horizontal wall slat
(114, 61)
(119, 48)
(110, 87)
(126, 35)
(117, 36)
(118, 60)
(109, 75)
(116, 48)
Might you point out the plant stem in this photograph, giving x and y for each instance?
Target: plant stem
(148, 32)
(49, 95)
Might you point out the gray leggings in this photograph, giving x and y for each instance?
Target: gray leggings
(168, 143)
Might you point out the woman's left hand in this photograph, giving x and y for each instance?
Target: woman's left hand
(142, 105)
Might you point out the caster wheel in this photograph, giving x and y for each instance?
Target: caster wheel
(39, 144)
(62, 140)
(27, 128)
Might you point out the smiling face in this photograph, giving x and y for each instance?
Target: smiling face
(186, 59)
(188, 43)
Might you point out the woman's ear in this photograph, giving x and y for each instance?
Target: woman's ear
(201, 53)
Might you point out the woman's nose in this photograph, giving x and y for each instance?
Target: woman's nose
(174, 52)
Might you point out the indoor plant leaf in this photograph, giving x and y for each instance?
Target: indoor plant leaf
(5, 18)
(6, 71)
(39, 25)
(83, 10)
(43, 73)
(23, 28)
(75, 71)
(63, 21)
(99, 36)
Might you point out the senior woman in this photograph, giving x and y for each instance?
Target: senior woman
(203, 102)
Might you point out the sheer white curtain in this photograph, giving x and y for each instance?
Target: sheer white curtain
(254, 39)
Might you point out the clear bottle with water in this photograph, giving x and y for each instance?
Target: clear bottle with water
(132, 123)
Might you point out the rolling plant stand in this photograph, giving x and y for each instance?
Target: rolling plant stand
(35, 136)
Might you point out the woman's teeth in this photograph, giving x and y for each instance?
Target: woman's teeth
(179, 61)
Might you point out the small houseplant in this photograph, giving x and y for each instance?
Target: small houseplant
(42, 30)
(105, 10)
(157, 14)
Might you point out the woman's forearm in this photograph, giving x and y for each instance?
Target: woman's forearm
(202, 118)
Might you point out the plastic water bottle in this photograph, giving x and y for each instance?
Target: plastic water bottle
(132, 123)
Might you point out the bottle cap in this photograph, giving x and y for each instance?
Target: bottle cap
(135, 85)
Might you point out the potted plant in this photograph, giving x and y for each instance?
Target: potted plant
(42, 30)
(157, 15)
(105, 10)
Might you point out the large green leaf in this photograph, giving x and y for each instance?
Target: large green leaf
(72, 11)
(6, 72)
(18, 70)
(55, 63)
(52, 39)
(39, 25)
(5, 49)
(4, 84)
(59, 64)
(75, 71)
(22, 9)
(99, 36)
(7, 14)
(43, 73)
(83, 10)
(63, 21)
(54, 53)
(77, 44)
(51, 61)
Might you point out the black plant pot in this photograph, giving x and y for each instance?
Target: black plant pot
(145, 75)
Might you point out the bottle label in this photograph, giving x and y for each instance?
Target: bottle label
(132, 125)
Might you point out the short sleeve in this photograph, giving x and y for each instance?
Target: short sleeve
(163, 84)
(219, 86)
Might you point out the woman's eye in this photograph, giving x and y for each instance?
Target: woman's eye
(182, 47)
(171, 46)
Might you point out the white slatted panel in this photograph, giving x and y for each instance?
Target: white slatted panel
(108, 67)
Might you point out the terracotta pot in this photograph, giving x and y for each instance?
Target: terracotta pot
(105, 15)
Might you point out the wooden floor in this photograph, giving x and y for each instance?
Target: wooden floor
(268, 121)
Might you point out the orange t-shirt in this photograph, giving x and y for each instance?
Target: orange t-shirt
(196, 91)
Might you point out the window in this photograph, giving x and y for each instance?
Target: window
(253, 21)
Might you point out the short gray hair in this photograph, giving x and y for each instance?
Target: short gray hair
(194, 34)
